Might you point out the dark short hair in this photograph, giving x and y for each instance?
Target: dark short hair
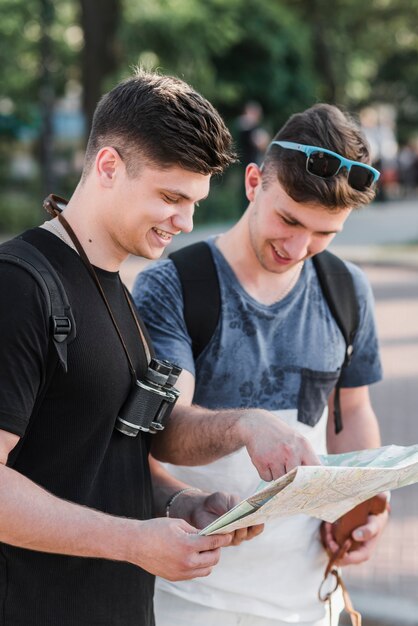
(162, 121)
(325, 126)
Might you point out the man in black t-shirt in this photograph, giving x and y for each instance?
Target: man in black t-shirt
(78, 542)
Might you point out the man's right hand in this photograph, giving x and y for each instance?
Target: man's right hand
(274, 447)
(172, 549)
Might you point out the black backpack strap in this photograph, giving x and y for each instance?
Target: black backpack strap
(338, 288)
(29, 258)
(201, 293)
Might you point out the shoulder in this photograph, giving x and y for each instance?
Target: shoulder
(158, 280)
(159, 270)
(362, 285)
(360, 281)
(24, 308)
(20, 290)
(363, 294)
(163, 275)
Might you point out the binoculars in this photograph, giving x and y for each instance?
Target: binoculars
(151, 400)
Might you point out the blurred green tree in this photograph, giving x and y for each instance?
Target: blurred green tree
(285, 54)
(21, 41)
(40, 42)
(100, 58)
(231, 51)
(356, 46)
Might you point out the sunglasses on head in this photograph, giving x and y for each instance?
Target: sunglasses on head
(325, 164)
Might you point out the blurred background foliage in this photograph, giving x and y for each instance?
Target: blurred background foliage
(58, 56)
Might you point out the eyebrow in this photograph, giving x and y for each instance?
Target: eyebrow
(290, 217)
(181, 194)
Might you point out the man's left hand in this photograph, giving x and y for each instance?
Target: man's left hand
(201, 509)
(368, 535)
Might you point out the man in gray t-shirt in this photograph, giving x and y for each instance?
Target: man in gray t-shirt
(278, 348)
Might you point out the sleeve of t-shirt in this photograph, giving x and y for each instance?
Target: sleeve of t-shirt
(158, 295)
(365, 367)
(24, 338)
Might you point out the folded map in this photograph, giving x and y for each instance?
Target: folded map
(324, 491)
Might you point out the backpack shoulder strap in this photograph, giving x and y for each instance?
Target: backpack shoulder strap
(338, 288)
(29, 258)
(201, 293)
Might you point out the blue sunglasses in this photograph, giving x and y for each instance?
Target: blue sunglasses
(325, 164)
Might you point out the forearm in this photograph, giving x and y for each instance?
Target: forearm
(196, 507)
(360, 425)
(32, 518)
(197, 436)
(359, 433)
(164, 486)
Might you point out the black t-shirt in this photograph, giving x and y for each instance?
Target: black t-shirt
(69, 444)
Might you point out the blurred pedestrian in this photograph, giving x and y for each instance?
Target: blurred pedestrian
(252, 138)
(408, 168)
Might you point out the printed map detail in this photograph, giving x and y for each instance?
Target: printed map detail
(324, 491)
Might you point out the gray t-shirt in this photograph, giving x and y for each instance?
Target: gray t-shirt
(281, 356)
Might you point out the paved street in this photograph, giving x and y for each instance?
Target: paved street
(388, 584)
(386, 588)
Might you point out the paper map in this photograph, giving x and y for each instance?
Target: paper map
(324, 491)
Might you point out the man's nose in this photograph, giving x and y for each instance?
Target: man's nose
(297, 246)
(184, 219)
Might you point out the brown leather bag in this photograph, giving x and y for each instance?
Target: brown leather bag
(358, 516)
(341, 530)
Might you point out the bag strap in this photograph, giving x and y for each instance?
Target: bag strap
(62, 323)
(201, 292)
(202, 300)
(338, 288)
(338, 583)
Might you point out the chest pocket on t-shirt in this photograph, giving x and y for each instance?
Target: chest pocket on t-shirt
(314, 390)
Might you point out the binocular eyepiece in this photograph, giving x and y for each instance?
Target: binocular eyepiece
(151, 400)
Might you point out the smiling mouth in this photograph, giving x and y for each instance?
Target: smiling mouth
(279, 254)
(164, 234)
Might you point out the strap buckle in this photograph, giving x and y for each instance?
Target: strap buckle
(61, 327)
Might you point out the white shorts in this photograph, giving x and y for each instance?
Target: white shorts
(170, 610)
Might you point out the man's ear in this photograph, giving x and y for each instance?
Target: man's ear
(252, 180)
(107, 163)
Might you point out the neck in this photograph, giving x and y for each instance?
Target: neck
(264, 286)
(85, 214)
